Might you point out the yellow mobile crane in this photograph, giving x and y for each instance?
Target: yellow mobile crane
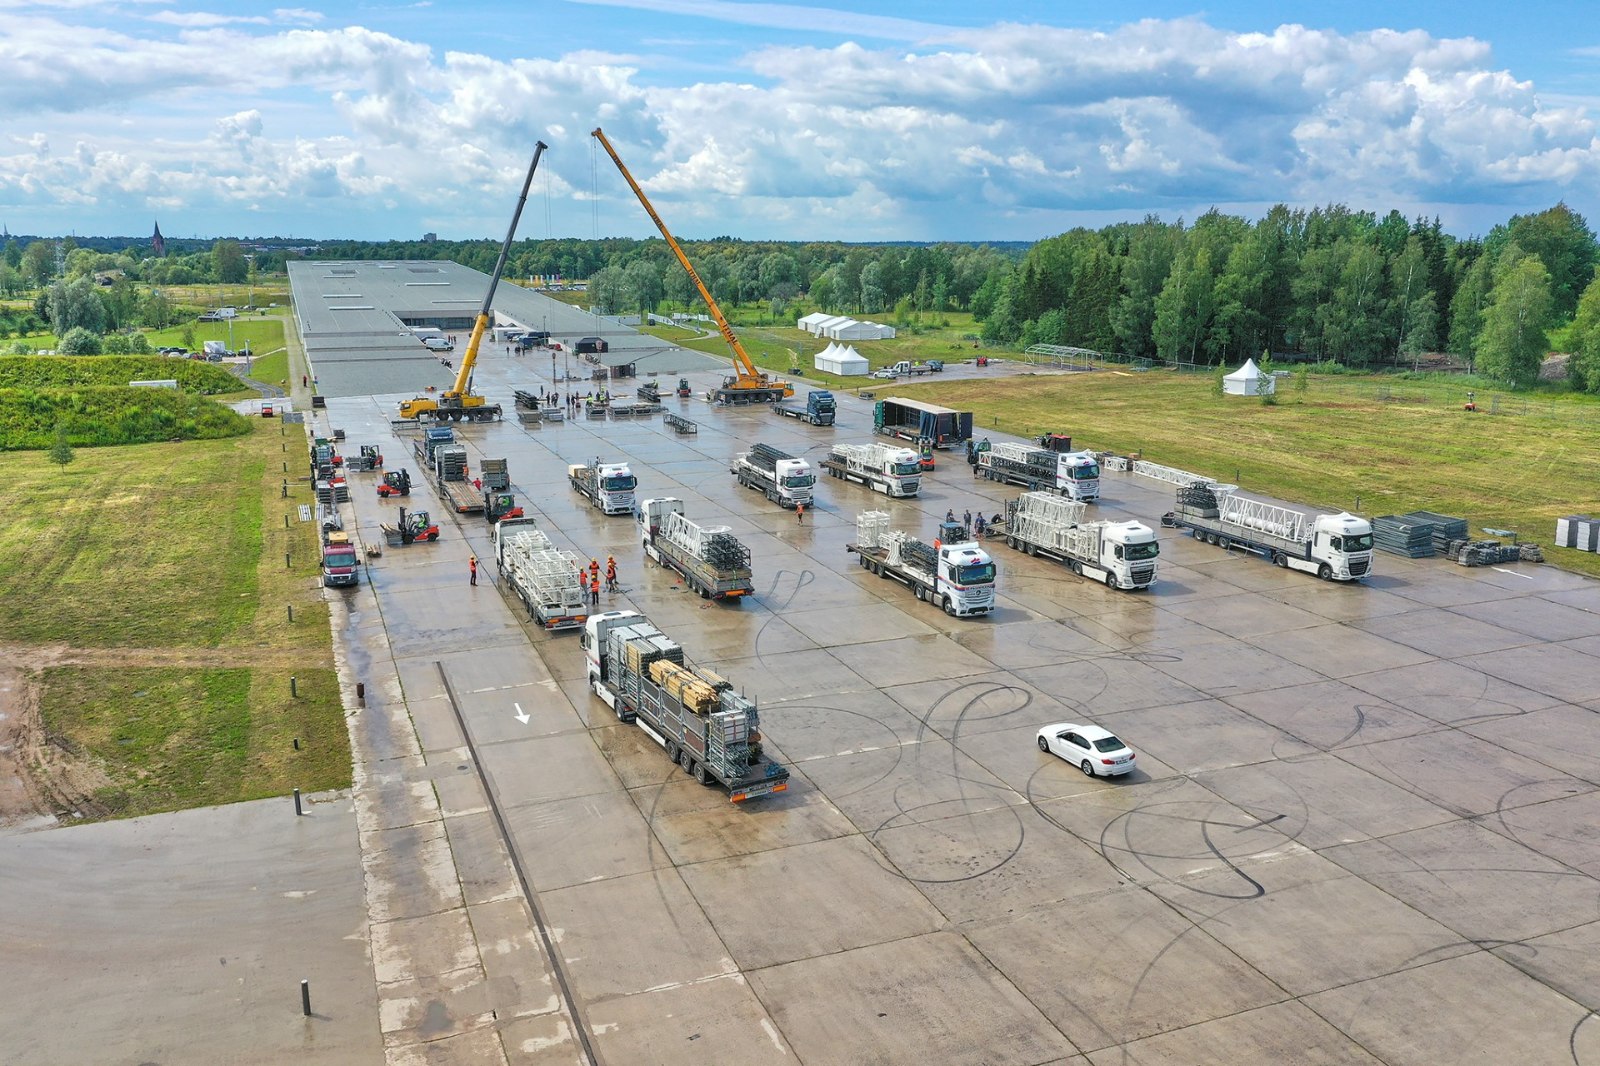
(460, 402)
(749, 385)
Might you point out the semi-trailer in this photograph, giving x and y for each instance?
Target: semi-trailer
(1335, 547)
(916, 421)
(708, 729)
(784, 479)
(450, 475)
(433, 438)
(819, 409)
(1075, 475)
(958, 577)
(548, 581)
(711, 560)
(608, 486)
(1120, 554)
(885, 468)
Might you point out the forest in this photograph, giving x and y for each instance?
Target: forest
(1330, 285)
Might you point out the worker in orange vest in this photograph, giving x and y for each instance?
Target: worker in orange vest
(611, 573)
(594, 570)
(594, 591)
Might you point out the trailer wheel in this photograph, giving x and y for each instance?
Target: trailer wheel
(1224, 543)
(921, 592)
(686, 761)
(672, 751)
(701, 774)
(1281, 559)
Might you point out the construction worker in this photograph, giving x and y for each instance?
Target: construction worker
(594, 571)
(472, 568)
(800, 513)
(966, 519)
(611, 573)
(594, 591)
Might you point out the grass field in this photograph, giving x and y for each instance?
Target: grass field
(1331, 446)
(166, 563)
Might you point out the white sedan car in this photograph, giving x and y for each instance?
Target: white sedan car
(1095, 751)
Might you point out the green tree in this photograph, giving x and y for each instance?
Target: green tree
(1419, 326)
(114, 344)
(76, 304)
(139, 344)
(80, 341)
(1562, 240)
(1184, 309)
(1466, 309)
(228, 264)
(644, 284)
(1584, 367)
(60, 450)
(608, 290)
(1355, 324)
(1001, 326)
(1152, 247)
(1513, 343)
(872, 291)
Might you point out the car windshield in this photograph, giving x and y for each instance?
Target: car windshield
(914, 467)
(1362, 543)
(975, 574)
(1108, 744)
(619, 483)
(1137, 552)
(339, 559)
(799, 481)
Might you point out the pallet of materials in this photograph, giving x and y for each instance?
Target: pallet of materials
(1400, 535)
(1578, 531)
(1445, 528)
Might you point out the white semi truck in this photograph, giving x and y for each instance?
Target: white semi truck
(784, 479)
(1120, 554)
(1075, 475)
(710, 559)
(886, 468)
(548, 581)
(1336, 547)
(957, 577)
(608, 486)
(707, 728)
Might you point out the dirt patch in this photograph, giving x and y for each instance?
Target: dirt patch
(44, 780)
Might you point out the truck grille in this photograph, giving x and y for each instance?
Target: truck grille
(1358, 567)
(1143, 575)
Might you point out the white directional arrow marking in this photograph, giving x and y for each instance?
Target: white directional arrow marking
(1513, 573)
(522, 715)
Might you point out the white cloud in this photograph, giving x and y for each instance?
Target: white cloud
(205, 19)
(1007, 126)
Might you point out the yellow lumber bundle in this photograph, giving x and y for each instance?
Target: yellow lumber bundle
(683, 686)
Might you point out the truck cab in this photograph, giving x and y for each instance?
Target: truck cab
(795, 480)
(1078, 475)
(904, 469)
(613, 486)
(1129, 551)
(652, 515)
(966, 579)
(1342, 543)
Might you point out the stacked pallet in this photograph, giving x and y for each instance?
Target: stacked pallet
(1578, 531)
(1445, 528)
(682, 685)
(1399, 535)
(1487, 553)
(332, 492)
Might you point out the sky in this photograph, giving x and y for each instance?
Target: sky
(884, 120)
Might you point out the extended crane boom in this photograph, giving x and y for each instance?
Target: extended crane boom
(459, 402)
(749, 385)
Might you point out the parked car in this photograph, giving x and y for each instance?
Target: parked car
(1097, 752)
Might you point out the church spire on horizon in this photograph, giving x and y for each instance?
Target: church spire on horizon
(158, 243)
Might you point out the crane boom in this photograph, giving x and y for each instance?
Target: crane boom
(751, 384)
(459, 400)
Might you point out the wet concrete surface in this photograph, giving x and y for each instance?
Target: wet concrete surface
(183, 938)
(1360, 830)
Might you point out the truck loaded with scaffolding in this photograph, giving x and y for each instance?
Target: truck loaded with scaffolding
(711, 560)
(1336, 547)
(958, 577)
(1120, 554)
(784, 479)
(708, 729)
(548, 581)
(885, 468)
(608, 486)
(1075, 475)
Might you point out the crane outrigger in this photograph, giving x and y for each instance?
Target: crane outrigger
(748, 385)
(460, 401)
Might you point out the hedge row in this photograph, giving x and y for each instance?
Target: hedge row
(108, 415)
(70, 371)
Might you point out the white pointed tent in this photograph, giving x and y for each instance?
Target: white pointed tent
(1248, 380)
(838, 359)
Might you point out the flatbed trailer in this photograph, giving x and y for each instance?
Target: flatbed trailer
(548, 581)
(460, 496)
(884, 468)
(712, 732)
(1120, 555)
(711, 561)
(1335, 547)
(957, 577)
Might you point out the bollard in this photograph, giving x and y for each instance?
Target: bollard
(285, 468)
(294, 686)
(296, 743)
(305, 997)
(286, 560)
(285, 521)
(286, 489)
(361, 693)
(290, 606)
(297, 811)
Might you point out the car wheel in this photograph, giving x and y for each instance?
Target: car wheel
(1087, 767)
(1044, 745)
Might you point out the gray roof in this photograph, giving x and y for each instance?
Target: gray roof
(353, 320)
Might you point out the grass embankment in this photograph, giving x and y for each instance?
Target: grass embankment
(161, 568)
(1327, 447)
(90, 397)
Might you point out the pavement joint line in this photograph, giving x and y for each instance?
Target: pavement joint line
(541, 924)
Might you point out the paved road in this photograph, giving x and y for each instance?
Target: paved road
(1362, 831)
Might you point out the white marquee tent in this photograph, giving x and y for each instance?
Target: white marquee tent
(840, 359)
(812, 321)
(1248, 380)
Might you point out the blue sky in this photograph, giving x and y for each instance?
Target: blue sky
(929, 121)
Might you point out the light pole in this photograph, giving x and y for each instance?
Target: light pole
(250, 269)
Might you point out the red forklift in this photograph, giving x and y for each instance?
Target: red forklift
(395, 483)
(412, 527)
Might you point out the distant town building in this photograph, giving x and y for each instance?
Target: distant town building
(429, 238)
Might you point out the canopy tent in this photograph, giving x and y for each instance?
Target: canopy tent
(838, 359)
(810, 322)
(1248, 380)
